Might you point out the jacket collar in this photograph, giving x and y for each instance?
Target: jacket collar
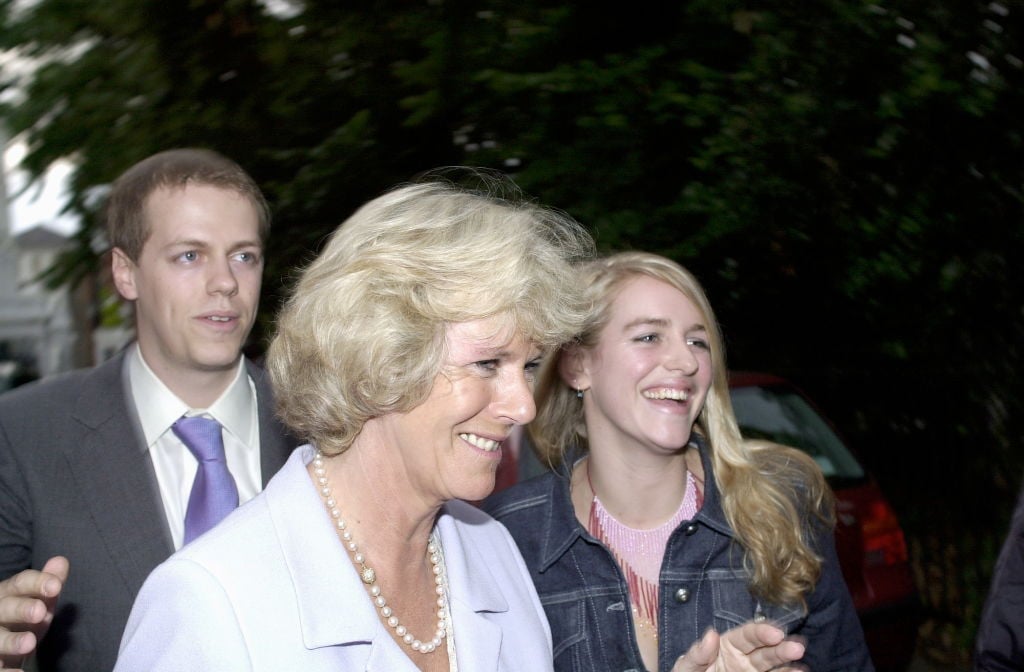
(561, 528)
(116, 479)
(325, 580)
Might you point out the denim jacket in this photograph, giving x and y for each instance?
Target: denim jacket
(702, 585)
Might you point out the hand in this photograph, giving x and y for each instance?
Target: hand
(27, 603)
(752, 647)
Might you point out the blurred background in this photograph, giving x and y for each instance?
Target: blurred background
(846, 177)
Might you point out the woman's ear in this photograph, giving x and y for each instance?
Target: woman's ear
(573, 367)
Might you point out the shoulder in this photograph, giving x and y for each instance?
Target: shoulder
(795, 471)
(84, 397)
(538, 514)
(66, 385)
(48, 391)
(474, 526)
(182, 619)
(523, 498)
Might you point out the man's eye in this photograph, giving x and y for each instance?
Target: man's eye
(248, 257)
(189, 256)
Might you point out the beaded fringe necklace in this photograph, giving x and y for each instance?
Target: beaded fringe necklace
(640, 552)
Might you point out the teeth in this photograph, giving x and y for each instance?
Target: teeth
(480, 442)
(677, 395)
(217, 318)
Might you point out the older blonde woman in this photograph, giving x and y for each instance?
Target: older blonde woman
(405, 357)
(659, 523)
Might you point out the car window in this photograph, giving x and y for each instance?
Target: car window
(780, 414)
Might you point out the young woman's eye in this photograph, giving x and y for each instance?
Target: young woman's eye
(647, 338)
(698, 343)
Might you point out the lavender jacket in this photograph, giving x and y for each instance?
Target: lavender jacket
(271, 588)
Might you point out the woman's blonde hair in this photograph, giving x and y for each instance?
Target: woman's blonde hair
(773, 496)
(363, 334)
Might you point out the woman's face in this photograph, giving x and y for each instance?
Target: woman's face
(649, 373)
(450, 445)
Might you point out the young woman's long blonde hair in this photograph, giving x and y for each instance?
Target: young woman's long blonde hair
(774, 497)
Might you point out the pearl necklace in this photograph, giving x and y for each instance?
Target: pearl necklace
(369, 577)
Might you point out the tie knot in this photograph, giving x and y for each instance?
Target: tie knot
(201, 436)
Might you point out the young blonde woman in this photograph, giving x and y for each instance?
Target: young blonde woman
(659, 529)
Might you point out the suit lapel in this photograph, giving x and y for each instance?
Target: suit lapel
(275, 441)
(474, 594)
(115, 476)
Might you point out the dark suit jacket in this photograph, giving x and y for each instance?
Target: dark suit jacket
(75, 480)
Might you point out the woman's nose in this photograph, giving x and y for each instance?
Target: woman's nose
(516, 401)
(681, 358)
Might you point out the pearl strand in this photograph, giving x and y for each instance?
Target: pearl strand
(369, 577)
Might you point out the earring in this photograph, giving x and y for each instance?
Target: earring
(579, 393)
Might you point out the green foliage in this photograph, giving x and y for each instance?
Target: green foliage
(844, 176)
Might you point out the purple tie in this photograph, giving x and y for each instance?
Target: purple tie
(214, 494)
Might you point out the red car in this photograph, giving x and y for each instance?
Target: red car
(870, 543)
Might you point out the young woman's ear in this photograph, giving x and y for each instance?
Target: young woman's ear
(573, 367)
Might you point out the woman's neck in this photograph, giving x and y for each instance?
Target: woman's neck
(637, 491)
(386, 514)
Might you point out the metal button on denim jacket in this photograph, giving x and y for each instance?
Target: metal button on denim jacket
(703, 584)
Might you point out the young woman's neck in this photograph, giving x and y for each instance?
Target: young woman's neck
(640, 491)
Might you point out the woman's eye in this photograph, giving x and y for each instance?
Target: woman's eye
(698, 343)
(489, 365)
(647, 338)
(531, 368)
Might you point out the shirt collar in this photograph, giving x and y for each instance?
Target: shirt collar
(159, 408)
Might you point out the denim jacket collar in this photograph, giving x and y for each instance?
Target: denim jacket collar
(562, 529)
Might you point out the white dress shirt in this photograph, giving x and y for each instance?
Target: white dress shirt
(159, 408)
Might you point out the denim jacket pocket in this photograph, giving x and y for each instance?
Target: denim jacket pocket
(734, 605)
(566, 614)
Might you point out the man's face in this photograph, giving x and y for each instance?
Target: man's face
(196, 283)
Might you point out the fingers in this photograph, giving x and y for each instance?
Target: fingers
(14, 646)
(38, 584)
(18, 611)
(27, 603)
(752, 636)
(752, 646)
(59, 567)
(761, 646)
(700, 656)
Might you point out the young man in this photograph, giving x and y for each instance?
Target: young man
(98, 468)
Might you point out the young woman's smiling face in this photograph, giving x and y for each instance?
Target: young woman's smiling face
(649, 373)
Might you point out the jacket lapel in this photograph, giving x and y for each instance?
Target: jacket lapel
(276, 443)
(474, 594)
(115, 476)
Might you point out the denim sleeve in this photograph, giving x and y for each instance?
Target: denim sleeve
(835, 639)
